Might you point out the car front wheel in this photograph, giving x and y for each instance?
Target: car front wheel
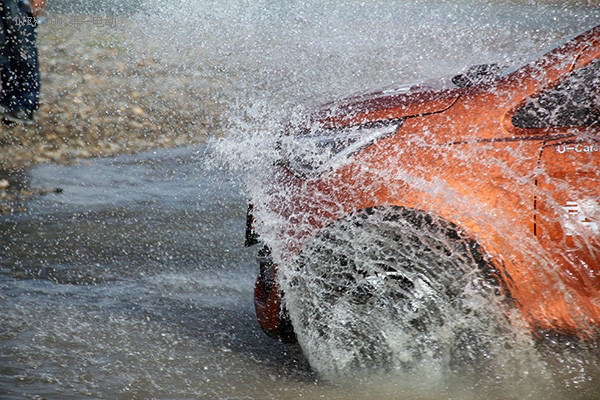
(393, 289)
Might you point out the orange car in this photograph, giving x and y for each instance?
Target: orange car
(485, 185)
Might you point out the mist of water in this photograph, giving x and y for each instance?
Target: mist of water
(271, 61)
(264, 62)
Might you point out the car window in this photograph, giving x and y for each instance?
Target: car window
(574, 102)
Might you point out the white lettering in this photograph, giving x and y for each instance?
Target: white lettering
(575, 212)
(578, 148)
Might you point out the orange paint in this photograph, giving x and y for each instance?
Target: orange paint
(529, 196)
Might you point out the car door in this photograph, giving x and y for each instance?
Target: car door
(567, 181)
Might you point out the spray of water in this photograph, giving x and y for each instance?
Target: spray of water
(265, 62)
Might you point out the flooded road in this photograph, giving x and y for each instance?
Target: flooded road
(133, 282)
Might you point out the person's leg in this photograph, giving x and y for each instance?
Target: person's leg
(23, 77)
(5, 75)
(27, 64)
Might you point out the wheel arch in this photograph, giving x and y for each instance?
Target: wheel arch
(490, 265)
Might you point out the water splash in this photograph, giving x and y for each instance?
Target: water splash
(264, 61)
(309, 53)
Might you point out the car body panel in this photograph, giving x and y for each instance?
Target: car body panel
(524, 195)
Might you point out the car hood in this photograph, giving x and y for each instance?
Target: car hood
(395, 102)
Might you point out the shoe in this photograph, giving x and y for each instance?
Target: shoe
(18, 115)
(7, 123)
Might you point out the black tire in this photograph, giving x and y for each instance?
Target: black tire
(392, 289)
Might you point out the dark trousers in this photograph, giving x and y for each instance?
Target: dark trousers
(19, 68)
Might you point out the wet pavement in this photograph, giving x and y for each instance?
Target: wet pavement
(131, 281)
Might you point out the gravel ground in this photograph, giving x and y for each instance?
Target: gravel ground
(102, 96)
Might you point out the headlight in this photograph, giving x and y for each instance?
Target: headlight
(313, 152)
